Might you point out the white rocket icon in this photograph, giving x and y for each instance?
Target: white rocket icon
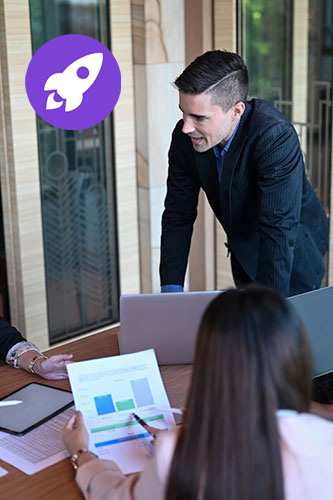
(69, 85)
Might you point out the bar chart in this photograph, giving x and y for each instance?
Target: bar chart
(142, 396)
(108, 391)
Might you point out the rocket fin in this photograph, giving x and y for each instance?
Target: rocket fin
(53, 82)
(73, 101)
(51, 103)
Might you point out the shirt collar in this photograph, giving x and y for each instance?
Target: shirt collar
(285, 413)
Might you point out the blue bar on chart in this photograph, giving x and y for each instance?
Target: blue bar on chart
(104, 404)
(123, 439)
(142, 392)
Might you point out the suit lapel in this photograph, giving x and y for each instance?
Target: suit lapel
(219, 196)
(229, 165)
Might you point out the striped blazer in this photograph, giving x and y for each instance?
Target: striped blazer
(276, 227)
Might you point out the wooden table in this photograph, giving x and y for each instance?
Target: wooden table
(56, 482)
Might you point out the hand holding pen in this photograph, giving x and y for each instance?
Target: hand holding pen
(152, 430)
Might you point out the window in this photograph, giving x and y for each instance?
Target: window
(288, 48)
(77, 192)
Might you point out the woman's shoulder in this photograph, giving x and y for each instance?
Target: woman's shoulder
(304, 420)
(307, 456)
(307, 432)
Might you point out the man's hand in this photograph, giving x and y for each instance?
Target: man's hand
(53, 368)
(75, 434)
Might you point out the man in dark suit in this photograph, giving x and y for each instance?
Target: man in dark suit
(246, 156)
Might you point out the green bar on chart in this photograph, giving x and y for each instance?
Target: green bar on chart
(126, 404)
(129, 423)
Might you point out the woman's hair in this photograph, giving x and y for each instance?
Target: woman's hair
(252, 358)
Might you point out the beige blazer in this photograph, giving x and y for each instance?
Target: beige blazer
(307, 460)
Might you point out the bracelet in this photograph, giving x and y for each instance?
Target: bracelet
(76, 456)
(15, 362)
(17, 350)
(33, 361)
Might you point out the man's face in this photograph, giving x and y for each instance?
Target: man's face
(205, 123)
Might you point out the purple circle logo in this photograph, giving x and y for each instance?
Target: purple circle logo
(73, 82)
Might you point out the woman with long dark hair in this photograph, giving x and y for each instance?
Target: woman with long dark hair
(247, 432)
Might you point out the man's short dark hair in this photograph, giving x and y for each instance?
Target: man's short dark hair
(219, 73)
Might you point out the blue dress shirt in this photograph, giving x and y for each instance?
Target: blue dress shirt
(221, 152)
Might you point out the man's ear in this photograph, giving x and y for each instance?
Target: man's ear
(238, 109)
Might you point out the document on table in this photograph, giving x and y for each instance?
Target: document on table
(37, 449)
(107, 391)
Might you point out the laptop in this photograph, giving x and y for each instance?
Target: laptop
(316, 312)
(168, 322)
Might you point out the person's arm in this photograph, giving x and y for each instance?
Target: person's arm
(280, 172)
(52, 368)
(180, 211)
(9, 337)
(322, 410)
(19, 353)
(172, 288)
(102, 479)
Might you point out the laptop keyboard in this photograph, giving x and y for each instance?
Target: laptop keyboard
(323, 389)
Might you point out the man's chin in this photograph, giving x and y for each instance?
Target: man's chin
(200, 147)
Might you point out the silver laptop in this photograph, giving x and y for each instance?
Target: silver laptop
(316, 311)
(168, 322)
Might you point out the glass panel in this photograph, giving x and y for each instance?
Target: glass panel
(266, 38)
(266, 45)
(319, 112)
(77, 192)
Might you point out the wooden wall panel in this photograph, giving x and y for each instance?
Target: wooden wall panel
(300, 69)
(20, 179)
(225, 31)
(158, 35)
(202, 260)
(225, 25)
(124, 146)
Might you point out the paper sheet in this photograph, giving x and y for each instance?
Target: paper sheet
(37, 449)
(3, 472)
(107, 391)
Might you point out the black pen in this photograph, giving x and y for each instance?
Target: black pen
(144, 424)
